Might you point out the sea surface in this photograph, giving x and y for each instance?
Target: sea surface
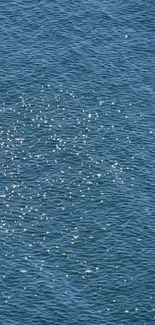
(77, 162)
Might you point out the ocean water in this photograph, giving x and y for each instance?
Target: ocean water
(77, 162)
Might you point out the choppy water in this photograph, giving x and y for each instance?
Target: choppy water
(77, 162)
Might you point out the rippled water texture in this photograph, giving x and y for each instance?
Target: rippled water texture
(77, 161)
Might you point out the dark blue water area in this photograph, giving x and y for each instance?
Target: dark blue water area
(77, 162)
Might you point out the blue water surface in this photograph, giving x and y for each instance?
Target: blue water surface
(77, 162)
